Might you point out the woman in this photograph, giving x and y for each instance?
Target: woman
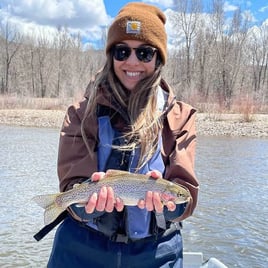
(129, 120)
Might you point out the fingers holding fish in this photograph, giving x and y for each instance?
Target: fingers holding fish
(154, 202)
(154, 174)
(108, 202)
(104, 201)
(171, 206)
(149, 204)
(96, 176)
(91, 204)
(157, 202)
(119, 205)
(98, 200)
(141, 204)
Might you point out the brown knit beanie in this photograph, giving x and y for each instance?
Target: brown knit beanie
(139, 21)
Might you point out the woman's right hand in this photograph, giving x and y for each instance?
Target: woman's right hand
(105, 199)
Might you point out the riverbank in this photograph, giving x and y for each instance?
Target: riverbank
(207, 124)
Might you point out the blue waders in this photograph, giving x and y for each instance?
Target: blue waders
(99, 243)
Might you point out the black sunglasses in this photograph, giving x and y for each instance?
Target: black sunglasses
(143, 53)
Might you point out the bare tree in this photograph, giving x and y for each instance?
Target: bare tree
(228, 47)
(203, 59)
(60, 47)
(185, 22)
(45, 65)
(214, 56)
(11, 44)
(259, 50)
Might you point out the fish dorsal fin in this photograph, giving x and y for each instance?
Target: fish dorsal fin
(115, 172)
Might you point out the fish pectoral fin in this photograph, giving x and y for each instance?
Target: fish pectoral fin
(80, 205)
(76, 185)
(51, 213)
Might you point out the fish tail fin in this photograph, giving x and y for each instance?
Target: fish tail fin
(48, 202)
(45, 200)
(51, 213)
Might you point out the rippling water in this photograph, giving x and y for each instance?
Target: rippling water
(230, 222)
(27, 167)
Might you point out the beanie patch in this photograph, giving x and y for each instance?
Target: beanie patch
(133, 27)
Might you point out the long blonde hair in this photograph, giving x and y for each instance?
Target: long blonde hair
(140, 104)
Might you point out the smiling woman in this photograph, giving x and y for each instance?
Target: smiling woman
(129, 120)
(133, 61)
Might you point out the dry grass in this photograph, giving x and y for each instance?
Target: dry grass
(12, 102)
(244, 106)
(49, 113)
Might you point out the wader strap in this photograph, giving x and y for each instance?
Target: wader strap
(45, 230)
(160, 220)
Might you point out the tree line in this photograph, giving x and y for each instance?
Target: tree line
(217, 59)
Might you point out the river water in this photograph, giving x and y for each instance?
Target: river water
(230, 222)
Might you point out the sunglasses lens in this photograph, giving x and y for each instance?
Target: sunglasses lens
(121, 53)
(145, 54)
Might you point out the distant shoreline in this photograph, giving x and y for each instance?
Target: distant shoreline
(207, 124)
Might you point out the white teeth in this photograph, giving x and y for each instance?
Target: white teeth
(132, 74)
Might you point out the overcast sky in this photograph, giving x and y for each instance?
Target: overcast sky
(88, 17)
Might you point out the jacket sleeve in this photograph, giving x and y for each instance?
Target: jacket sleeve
(75, 164)
(179, 143)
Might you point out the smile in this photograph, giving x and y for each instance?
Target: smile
(133, 74)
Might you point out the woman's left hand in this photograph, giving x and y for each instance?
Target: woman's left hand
(153, 200)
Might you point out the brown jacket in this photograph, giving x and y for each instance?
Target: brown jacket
(178, 152)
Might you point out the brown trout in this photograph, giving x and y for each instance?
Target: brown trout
(130, 187)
